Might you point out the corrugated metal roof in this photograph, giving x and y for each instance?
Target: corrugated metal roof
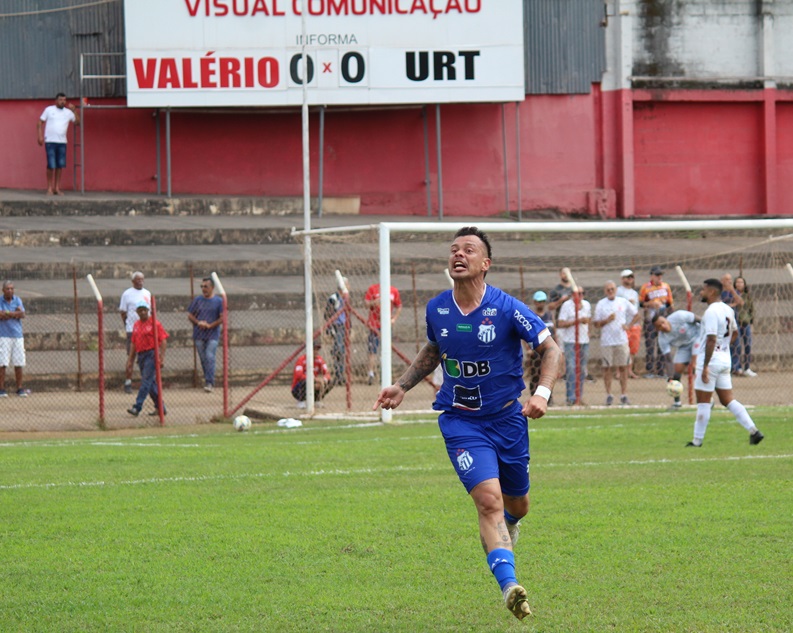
(41, 42)
(565, 45)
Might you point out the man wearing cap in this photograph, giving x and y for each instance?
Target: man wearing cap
(655, 297)
(127, 308)
(322, 378)
(147, 333)
(540, 303)
(627, 291)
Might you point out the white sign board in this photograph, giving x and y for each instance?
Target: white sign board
(183, 53)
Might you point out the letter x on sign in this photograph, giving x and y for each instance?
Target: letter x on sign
(326, 67)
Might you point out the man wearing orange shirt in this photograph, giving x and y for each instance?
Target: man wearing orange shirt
(655, 297)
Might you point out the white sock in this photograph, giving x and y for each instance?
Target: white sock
(701, 423)
(740, 413)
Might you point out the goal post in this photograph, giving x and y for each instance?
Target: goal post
(415, 255)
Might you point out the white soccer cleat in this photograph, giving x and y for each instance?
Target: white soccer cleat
(514, 532)
(516, 601)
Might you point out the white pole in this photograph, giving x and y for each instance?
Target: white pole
(385, 315)
(307, 225)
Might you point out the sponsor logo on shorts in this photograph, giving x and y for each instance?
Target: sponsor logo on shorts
(464, 460)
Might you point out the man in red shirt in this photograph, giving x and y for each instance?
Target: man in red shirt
(322, 378)
(143, 341)
(372, 300)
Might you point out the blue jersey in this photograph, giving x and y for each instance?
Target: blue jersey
(481, 353)
(11, 328)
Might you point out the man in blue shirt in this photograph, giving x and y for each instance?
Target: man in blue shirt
(206, 315)
(12, 343)
(475, 331)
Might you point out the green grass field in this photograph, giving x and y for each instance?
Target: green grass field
(341, 527)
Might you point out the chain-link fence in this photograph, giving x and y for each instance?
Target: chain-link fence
(266, 322)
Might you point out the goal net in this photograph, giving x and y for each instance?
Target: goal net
(412, 257)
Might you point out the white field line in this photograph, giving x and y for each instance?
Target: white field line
(365, 471)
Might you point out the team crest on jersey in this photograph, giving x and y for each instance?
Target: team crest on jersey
(489, 312)
(487, 331)
(464, 459)
(443, 310)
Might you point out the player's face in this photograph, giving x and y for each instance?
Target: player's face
(662, 325)
(468, 258)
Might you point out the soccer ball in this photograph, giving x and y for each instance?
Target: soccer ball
(242, 423)
(674, 388)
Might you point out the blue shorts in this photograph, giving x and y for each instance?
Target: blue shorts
(374, 342)
(489, 449)
(56, 155)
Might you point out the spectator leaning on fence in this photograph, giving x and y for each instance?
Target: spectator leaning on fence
(627, 291)
(146, 334)
(127, 308)
(12, 342)
(655, 297)
(206, 315)
(744, 315)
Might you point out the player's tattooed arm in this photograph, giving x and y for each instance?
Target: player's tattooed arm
(424, 364)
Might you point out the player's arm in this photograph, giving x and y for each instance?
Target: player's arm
(551, 363)
(423, 365)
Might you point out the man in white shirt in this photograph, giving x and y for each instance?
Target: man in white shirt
(130, 300)
(56, 119)
(627, 290)
(615, 316)
(718, 330)
(571, 336)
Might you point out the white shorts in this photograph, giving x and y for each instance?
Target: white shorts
(12, 349)
(682, 355)
(718, 375)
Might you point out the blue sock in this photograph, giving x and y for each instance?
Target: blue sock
(510, 519)
(502, 564)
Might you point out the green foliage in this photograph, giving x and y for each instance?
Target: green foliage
(366, 528)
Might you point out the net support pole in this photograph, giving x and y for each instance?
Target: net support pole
(385, 315)
(101, 348)
(225, 325)
(307, 263)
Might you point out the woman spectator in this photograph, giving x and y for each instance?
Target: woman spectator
(744, 315)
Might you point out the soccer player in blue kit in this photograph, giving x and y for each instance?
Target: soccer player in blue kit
(474, 331)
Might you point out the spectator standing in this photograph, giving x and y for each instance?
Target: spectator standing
(127, 307)
(615, 316)
(323, 382)
(627, 291)
(336, 313)
(206, 315)
(12, 341)
(540, 307)
(147, 333)
(680, 330)
(372, 300)
(560, 293)
(744, 315)
(52, 128)
(655, 297)
(566, 327)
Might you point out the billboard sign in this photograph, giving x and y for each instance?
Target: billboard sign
(192, 53)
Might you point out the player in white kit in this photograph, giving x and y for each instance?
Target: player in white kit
(713, 364)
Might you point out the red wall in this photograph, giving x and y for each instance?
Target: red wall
(647, 153)
(698, 158)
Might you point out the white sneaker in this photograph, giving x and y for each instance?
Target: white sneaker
(301, 404)
(208, 388)
(514, 532)
(750, 373)
(516, 601)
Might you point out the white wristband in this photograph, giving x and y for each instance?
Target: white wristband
(543, 392)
